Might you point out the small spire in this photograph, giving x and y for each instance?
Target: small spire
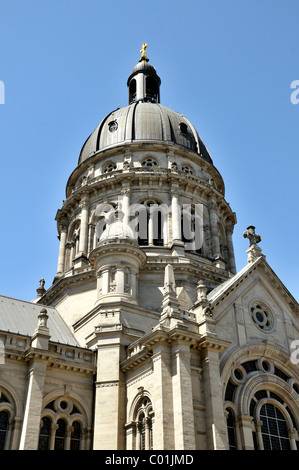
(143, 53)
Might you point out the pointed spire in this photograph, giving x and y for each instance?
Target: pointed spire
(169, 280)
(170, 304)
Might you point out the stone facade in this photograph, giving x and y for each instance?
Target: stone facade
(163, 345)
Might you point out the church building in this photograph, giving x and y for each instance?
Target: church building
(148, 338)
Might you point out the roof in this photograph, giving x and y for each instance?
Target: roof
(21, 317)
(216, 294)
(144, 122)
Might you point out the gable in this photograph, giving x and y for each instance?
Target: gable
(255, 306)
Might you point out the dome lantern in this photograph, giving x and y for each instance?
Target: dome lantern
(144, 83)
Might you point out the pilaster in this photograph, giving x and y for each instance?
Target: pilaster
(210, 349)
(33, 405)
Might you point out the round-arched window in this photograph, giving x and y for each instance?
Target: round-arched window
(149, 162)
(187, 169)
(110, 167)
(274, 428)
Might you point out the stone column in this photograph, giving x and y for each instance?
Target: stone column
(183, 413)
(133, 282)
(9, 431)
(16, 434)
(230, 247)
(214, 229)
(84, 204)
(147, 434)
(176, 214)
(53, 430)
(33, 406)
(91, 235)
(150, 227)
(292, 437)
(259, 437)
(125, 205)
(67, 442)
(61, 255)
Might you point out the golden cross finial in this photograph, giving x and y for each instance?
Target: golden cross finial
(143, 52)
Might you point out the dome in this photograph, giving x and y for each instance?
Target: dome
(144, 67)
(117, 229)
(144, 121)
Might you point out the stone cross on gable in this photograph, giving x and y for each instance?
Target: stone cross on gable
(251, 235)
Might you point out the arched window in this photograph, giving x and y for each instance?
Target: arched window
(154, 219)
(60, 435)
(72, 245)
(132, 91)
(144, 425)
(61, 426)
(76, 436)
(187, 169)
(7, 412)
(274, 428)
(274, 424)
(3, 428)
(152, 90)
(231, 433)
(110, 167)
(44, 435)
(149, 162)
(192, 228)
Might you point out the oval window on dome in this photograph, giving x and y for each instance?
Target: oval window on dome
(183, 127)
(112, 126)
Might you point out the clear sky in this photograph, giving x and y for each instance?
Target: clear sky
(226, 65)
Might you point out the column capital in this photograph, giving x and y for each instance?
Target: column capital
(84, 202)
(212, 205)
(174, 191)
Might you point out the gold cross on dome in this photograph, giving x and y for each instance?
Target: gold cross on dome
(143, 52)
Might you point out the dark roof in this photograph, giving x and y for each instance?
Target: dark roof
(21, 317)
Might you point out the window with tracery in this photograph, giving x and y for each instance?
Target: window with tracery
(149, 162)
(144, 425)
(3, 427)
(187, 169)
(231, 432)
(110, 167)
(61, 426)
(274, 425)
(6, 414)
(272, 418)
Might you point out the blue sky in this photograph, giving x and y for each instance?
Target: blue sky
(226, 65)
